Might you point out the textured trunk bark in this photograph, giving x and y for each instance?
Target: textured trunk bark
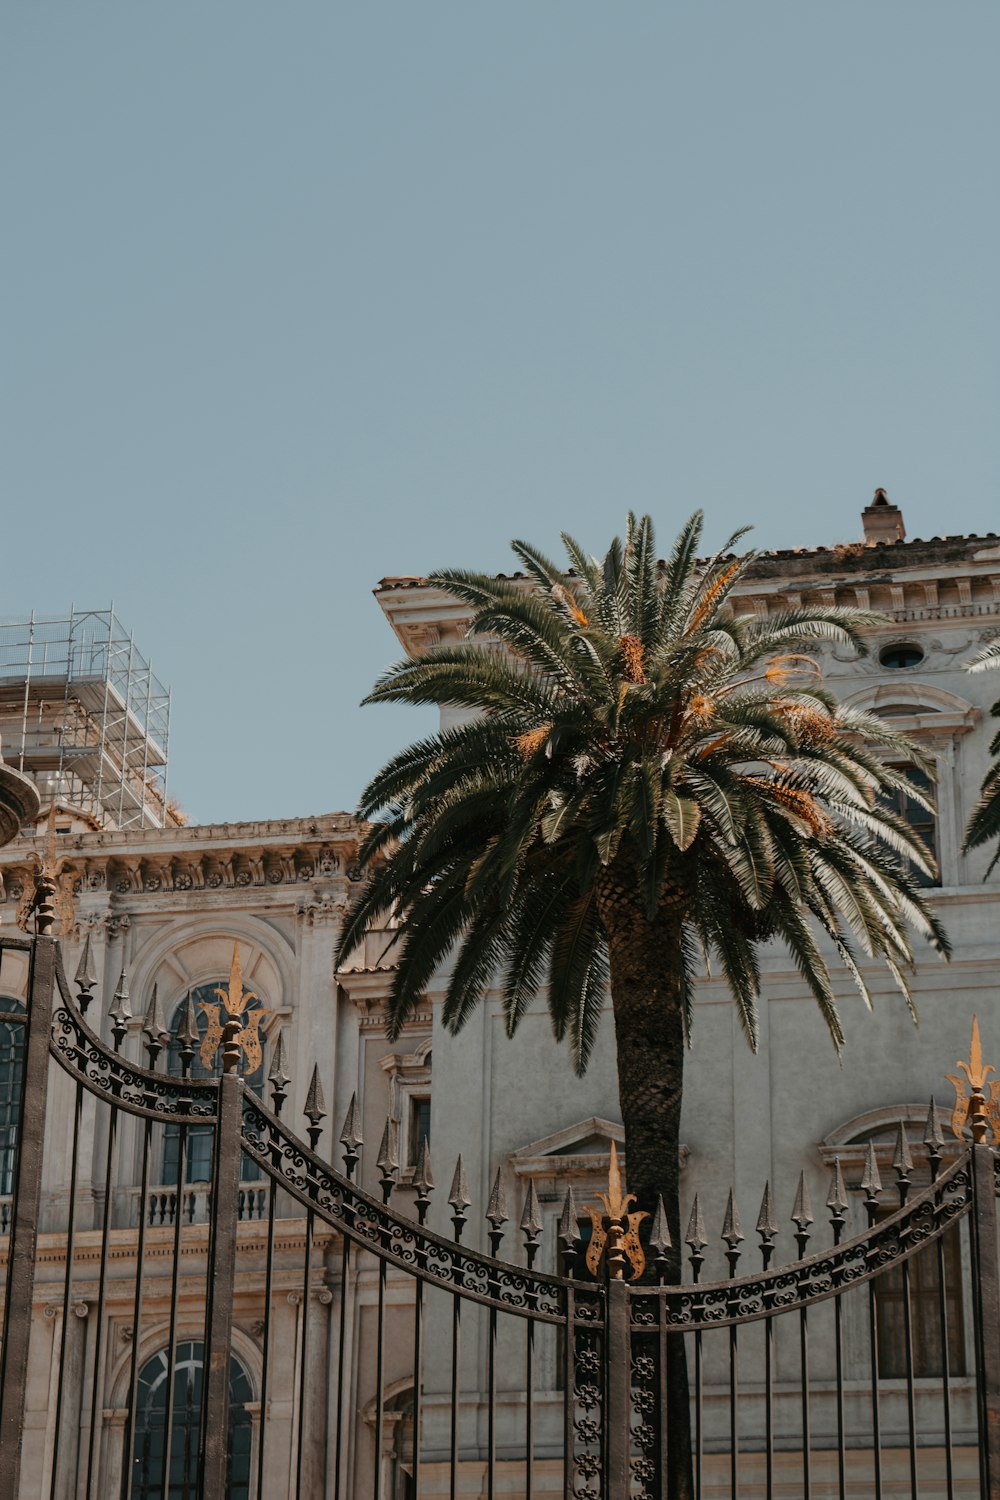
(646, 986)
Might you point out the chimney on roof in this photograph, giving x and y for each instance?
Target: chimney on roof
(882, 521)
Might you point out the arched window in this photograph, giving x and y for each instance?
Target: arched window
(198, 1163)
(11, 1069)
(849, 1143)
(151, 1423)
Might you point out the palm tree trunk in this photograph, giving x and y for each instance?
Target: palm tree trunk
(646, 991)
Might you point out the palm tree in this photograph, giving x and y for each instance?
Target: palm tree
(649, 782)
(984, 824)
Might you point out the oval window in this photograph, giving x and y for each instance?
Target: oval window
(901, 655)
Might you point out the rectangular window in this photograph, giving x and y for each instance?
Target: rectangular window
(923, 823)
(420, 1126)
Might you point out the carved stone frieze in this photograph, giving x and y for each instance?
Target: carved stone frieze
(197, 862)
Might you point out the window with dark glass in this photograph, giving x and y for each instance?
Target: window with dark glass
(11, 1069)
(420, 1125)
(151, 1427)
(923, 823)
(198, 1147)
(899, 656)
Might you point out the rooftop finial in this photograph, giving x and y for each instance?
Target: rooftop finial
(882, 521)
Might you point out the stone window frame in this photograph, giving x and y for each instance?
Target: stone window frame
(939, 720)
(410, 1079)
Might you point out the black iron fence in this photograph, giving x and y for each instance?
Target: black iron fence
(146, 1323)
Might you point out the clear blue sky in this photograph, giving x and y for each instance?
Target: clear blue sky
(297, 296)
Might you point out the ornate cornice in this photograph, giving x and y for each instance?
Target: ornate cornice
(320, 853)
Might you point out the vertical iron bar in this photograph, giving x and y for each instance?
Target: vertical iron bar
(699, 1432)
(806, 1425)
(664, 1394)
(491, 1402)
(380, 1376)
(175, 1271)
(418, 1321)
(133, 1379)
(945, 1368)
(911, 1409)
(456, 1356)
(529, 1415)
(984, 1234)
(345, 1262)
(734, 1446)
(265, 1354)
(838, 1337)
(303, 1359)
(618, 1391)
(23, 1238)
(569, 1384)
(221, 1283)
(96, 1402)
(67, 1285)
(769, 1406)
(876, 1415)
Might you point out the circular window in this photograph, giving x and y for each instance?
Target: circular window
(900, 656)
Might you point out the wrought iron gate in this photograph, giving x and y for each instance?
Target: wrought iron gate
(568, 1395)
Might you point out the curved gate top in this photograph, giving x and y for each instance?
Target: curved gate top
(590, 1383)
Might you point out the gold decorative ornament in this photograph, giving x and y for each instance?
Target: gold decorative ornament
(50, 893)
(237, 1032)
(621, 1238)
(972, 1108)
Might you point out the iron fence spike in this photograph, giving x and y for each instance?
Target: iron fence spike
(388, 1152)
(120, 1008)
(187, 1032)
(315, 1105)
(423, 1177)
(902, 1161)
(277, 1074)
(154, 1025)
(802, 1213)
(496, 1209)
(459, 1196)
(732, 1229)
(86, 974)
(695, 1235)
(933, 1134)
(351, 1136)
(837, 1202)
(659, 1234)
(531, 1219)
(569, 1226)
(871, 1182)
(767, 1223)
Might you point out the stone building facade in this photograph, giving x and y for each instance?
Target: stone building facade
(169, 905)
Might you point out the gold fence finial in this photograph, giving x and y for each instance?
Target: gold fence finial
(230, 1031)
(972, 1107)
(621, 1237)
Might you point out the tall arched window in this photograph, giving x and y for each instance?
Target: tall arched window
(11, 1070)
(198, 1164)
(151, 1423)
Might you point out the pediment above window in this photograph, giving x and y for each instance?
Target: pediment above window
(580, 1153)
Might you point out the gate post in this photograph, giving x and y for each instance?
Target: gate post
(222, 1284)
(618, 1392)
(23, 1240)
(987, 1308)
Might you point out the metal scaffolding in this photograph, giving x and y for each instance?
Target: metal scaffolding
(82, 712)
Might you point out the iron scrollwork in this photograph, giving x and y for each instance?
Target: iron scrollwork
(745, 1300)
(397, 1240)
(104, 1073)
